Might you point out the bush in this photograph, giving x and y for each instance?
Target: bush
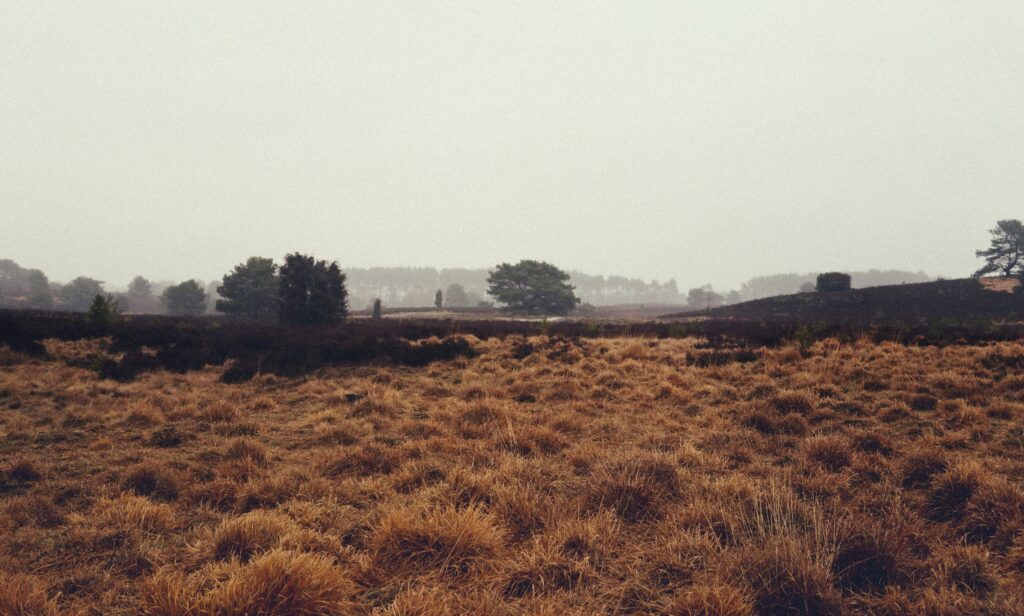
(104, 310)
(833, 282)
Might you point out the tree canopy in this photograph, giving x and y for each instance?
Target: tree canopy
(80, 293)
(250, 290)
(311, 292)
(456, 296)
(140, 288)
(530, 286)
(704, 298)
(1005, 254)
(185, 299)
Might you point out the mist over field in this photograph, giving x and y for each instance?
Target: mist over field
(534, 308)
(703, 142)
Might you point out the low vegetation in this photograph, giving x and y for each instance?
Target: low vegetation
(539, 475)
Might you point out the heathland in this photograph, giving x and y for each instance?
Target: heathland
(532, 475)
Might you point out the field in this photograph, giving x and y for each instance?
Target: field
(541, 475)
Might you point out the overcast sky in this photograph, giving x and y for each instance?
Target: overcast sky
(702, 141)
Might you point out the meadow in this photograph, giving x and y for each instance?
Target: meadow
(540, 475)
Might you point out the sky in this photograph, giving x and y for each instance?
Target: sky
(708, 142)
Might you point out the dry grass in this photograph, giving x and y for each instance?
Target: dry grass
(609, 476)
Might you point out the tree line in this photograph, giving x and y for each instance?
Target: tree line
(307, 291)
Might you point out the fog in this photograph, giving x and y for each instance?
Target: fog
(706, 142)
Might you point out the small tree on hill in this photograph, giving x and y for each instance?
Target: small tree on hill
(833, 282)
(312, 292)
(704, 298)
(185, 299)
(250, 290)
(104, 310)
(1005, 254)
(377, 310)
(532, 286)
(438, 299)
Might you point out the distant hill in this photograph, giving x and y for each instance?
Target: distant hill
(787, 284)
(944, 299)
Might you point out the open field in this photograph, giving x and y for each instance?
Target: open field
(540, 476)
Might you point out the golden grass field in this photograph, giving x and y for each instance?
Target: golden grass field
(603, 476)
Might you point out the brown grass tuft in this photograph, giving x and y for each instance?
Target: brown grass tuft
(153, 480)
(23, 595)
(786, 578)
(967, 569)
(793, 402)
(871, 555)
(711, 598)
(636, 487)
(830, 452)
(451, 541)
(248, 535)
(130, 512)
(952, 490)
(23, 470)
(282, 583)
(921, 466)
(248, 449)
(219, 411)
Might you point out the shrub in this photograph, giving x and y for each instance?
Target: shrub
(103, 310)
(833, 282)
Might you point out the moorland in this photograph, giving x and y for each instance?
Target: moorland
(666, 470)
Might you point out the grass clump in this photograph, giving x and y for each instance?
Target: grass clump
(449, 541)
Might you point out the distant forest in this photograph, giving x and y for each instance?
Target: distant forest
(415, 286)
(408, 287)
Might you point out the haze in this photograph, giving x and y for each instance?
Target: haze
(705, 141)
